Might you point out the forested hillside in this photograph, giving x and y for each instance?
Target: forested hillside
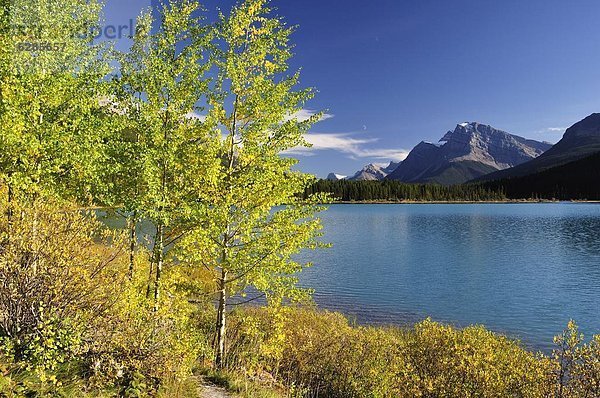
(579, 180)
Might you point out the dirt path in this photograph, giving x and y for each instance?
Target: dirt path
(208, 390)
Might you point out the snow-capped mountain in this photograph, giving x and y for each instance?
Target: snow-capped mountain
(469, 151)
(371, 172)
(335, 177)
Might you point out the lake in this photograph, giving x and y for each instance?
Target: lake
(520, 269)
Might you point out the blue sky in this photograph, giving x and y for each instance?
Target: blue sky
(391, 73)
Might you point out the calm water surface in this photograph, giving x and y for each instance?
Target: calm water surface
(519, 269)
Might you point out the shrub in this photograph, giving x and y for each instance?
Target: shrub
(325, 355)
(69, 315)
(137, 347)
(73, 324)
(576, 365)
(59, 273)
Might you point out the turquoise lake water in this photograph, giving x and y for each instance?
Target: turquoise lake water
(520, 269)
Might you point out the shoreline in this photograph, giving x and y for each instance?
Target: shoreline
(466, 202)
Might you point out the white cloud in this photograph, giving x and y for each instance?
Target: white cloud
(304, 114)
(556, 129)
(344, 143)
(340, 142)
(388, 154)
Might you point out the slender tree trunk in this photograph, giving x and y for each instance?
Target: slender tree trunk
(9, 210)
(221, 328)
(159, 254)
(34, 239)
(159, 250)
(222, 309)
(132, 243)
(150, 273)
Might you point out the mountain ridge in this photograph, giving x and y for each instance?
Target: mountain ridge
(576, 180)
(580, 140)
(471, 150)
(370, 172)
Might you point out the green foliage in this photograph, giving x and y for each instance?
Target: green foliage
(18, 384)
(134, 340)
(396, 191)
(75, 315)
(161, 150)
(57, 268)
(50, 100)
(252, 222)
(157, 151)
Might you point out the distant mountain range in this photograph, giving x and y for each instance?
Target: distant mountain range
(577, 180)
(569, 170)
(505, 163)
(335, 177)
(371, 172)
(470, 151)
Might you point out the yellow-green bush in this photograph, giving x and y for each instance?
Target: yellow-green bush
(576, 365)
(60, 273)
(326, 356)
(138, 345)
(70, 318)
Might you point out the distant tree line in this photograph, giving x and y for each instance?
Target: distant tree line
(389, 190)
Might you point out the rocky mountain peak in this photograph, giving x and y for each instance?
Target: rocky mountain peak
(579, 141)
(471, 149)
(335, 177)
(483, 143)
(392, 166)
(370, 172)
(588, 127)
